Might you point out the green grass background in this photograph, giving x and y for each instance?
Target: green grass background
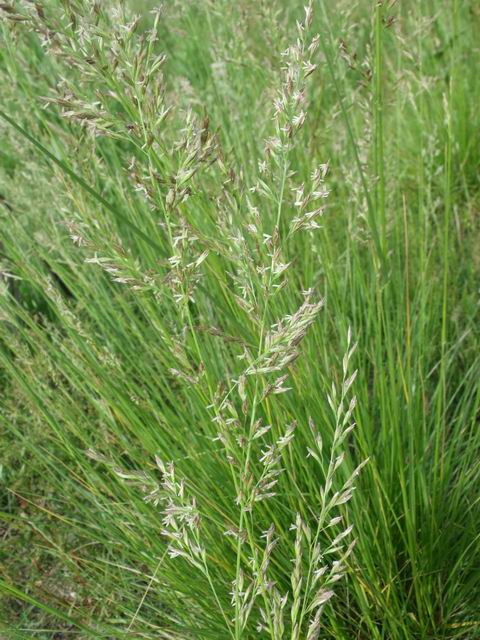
(84, 361)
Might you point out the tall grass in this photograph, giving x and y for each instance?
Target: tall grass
(239, 312)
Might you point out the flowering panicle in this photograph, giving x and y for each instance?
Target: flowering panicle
(181, 521)
(281, 343)
(309, 204)
(290, 102)
(270, 459)
(124, 269)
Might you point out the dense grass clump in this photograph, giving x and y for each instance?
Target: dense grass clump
(239, 344)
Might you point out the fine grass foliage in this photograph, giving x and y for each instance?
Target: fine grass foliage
(239, 319)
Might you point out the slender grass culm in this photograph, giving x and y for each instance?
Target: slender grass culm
(239, 320)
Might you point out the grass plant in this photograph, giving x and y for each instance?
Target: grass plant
(239, 320)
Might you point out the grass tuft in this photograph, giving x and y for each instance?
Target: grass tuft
(239, 320)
